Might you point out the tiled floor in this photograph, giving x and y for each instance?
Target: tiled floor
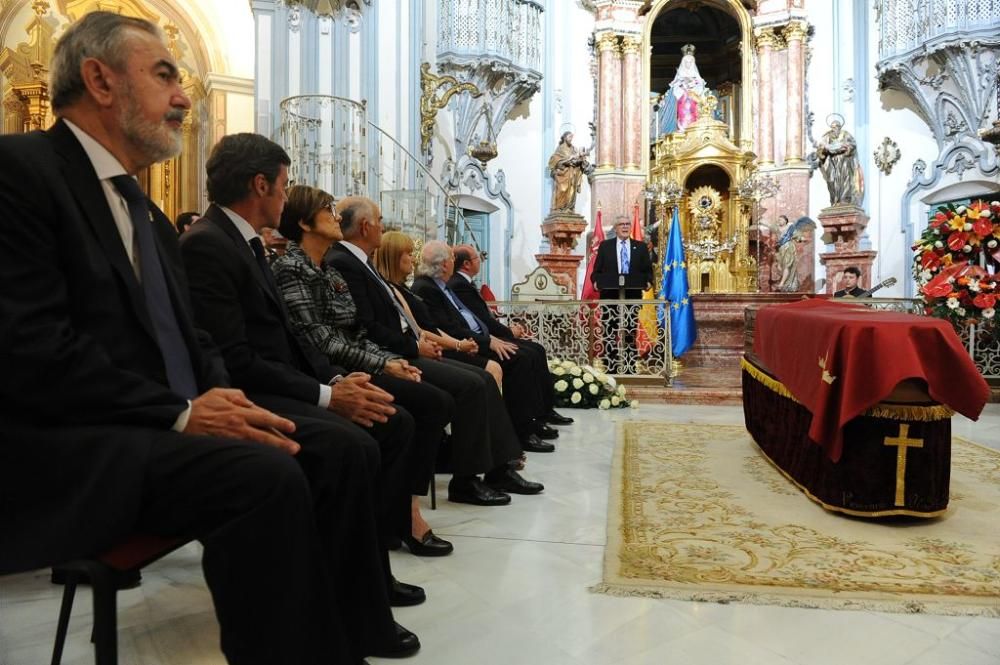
(515, 591)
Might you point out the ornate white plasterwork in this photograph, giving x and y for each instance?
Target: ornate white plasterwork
(496, 46)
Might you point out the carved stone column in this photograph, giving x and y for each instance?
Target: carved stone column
(563, 231)
(631, 75)
(614, 109)
(608, 82)
(795, 35)
(766, 44)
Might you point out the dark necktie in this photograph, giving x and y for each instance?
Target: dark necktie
(176, 357)
(265, 268)
(395, 300)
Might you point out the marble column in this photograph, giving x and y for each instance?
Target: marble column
(766, 43)
(614, 108)
(795, 35)
(631, 111)
(608, 84)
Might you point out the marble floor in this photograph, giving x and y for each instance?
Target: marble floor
(515, 591)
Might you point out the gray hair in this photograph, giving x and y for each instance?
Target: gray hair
(432, 258)
(100, 35)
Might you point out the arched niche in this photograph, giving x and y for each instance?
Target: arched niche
(718, 16)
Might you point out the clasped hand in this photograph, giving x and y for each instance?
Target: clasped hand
(227, 413)
(357, 399)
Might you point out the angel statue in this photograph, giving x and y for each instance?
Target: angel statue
(786, 256)
(566, 166)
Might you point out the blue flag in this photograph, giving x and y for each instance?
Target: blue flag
(674, 289)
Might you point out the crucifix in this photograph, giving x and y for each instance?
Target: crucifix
(902, 442)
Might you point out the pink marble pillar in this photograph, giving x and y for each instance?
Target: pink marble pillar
(795, 35)
(609, 82)
(631, 112)
(615, 95)
(766, 42)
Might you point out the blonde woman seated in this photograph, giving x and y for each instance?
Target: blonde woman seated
(324, 314)
(394, 260)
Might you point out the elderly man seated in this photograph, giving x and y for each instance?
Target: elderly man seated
(526, 379)
(467, 266)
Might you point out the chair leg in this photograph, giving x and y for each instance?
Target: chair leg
(434, 499)
(105, 616)
(69, 592)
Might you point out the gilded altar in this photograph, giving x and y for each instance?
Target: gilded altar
(703, 169)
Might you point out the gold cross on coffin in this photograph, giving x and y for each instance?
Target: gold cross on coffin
(902, 442)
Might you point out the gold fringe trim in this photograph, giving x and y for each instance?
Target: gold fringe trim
(889, 411)
(896, 606)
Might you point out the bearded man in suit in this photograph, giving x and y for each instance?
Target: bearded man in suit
(116, 410)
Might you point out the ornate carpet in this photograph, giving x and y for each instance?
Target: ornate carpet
(697, 513)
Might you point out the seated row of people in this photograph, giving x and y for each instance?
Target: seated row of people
(286, 419)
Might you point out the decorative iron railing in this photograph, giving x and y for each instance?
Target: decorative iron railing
(908, 24)
(620, 337)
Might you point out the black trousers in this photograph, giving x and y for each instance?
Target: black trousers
(482, 435)
(388, 448)
(285, 589)
(540, 362)
(432, 408)
(522, 388)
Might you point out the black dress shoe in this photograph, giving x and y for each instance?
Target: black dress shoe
(429, 545)
(509, 480)
(402, 594)
(554, 418)
(405, 644)
(476, 492)
(543, 431)
(532, 444)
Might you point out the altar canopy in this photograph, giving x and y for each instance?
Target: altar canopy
(840, 359)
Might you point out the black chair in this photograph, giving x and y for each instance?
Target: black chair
(107, 573)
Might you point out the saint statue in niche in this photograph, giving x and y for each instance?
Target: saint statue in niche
(684, 100)
(837, 156)
(566, 167)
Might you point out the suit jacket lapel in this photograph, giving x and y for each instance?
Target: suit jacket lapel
(81, 179)
(220, 219)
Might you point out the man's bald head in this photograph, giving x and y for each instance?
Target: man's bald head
(467, 259)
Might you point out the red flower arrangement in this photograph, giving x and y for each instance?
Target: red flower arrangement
(952, 263)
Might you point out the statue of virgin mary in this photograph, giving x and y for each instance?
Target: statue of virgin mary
(680, 107)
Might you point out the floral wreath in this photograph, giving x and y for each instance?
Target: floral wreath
(952, 260)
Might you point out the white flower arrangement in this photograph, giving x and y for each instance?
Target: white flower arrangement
(583, 386)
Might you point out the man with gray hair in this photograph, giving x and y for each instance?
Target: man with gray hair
(524, 377)
(114, 406)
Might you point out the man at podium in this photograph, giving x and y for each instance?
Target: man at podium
(622, 270)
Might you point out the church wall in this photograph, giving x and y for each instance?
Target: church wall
(841, 79)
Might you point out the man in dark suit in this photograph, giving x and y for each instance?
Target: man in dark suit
(623, 258)
(115, 413)
(385, 320)
(237, 302)
(467, 266)
(525, 376)
(850, 277)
